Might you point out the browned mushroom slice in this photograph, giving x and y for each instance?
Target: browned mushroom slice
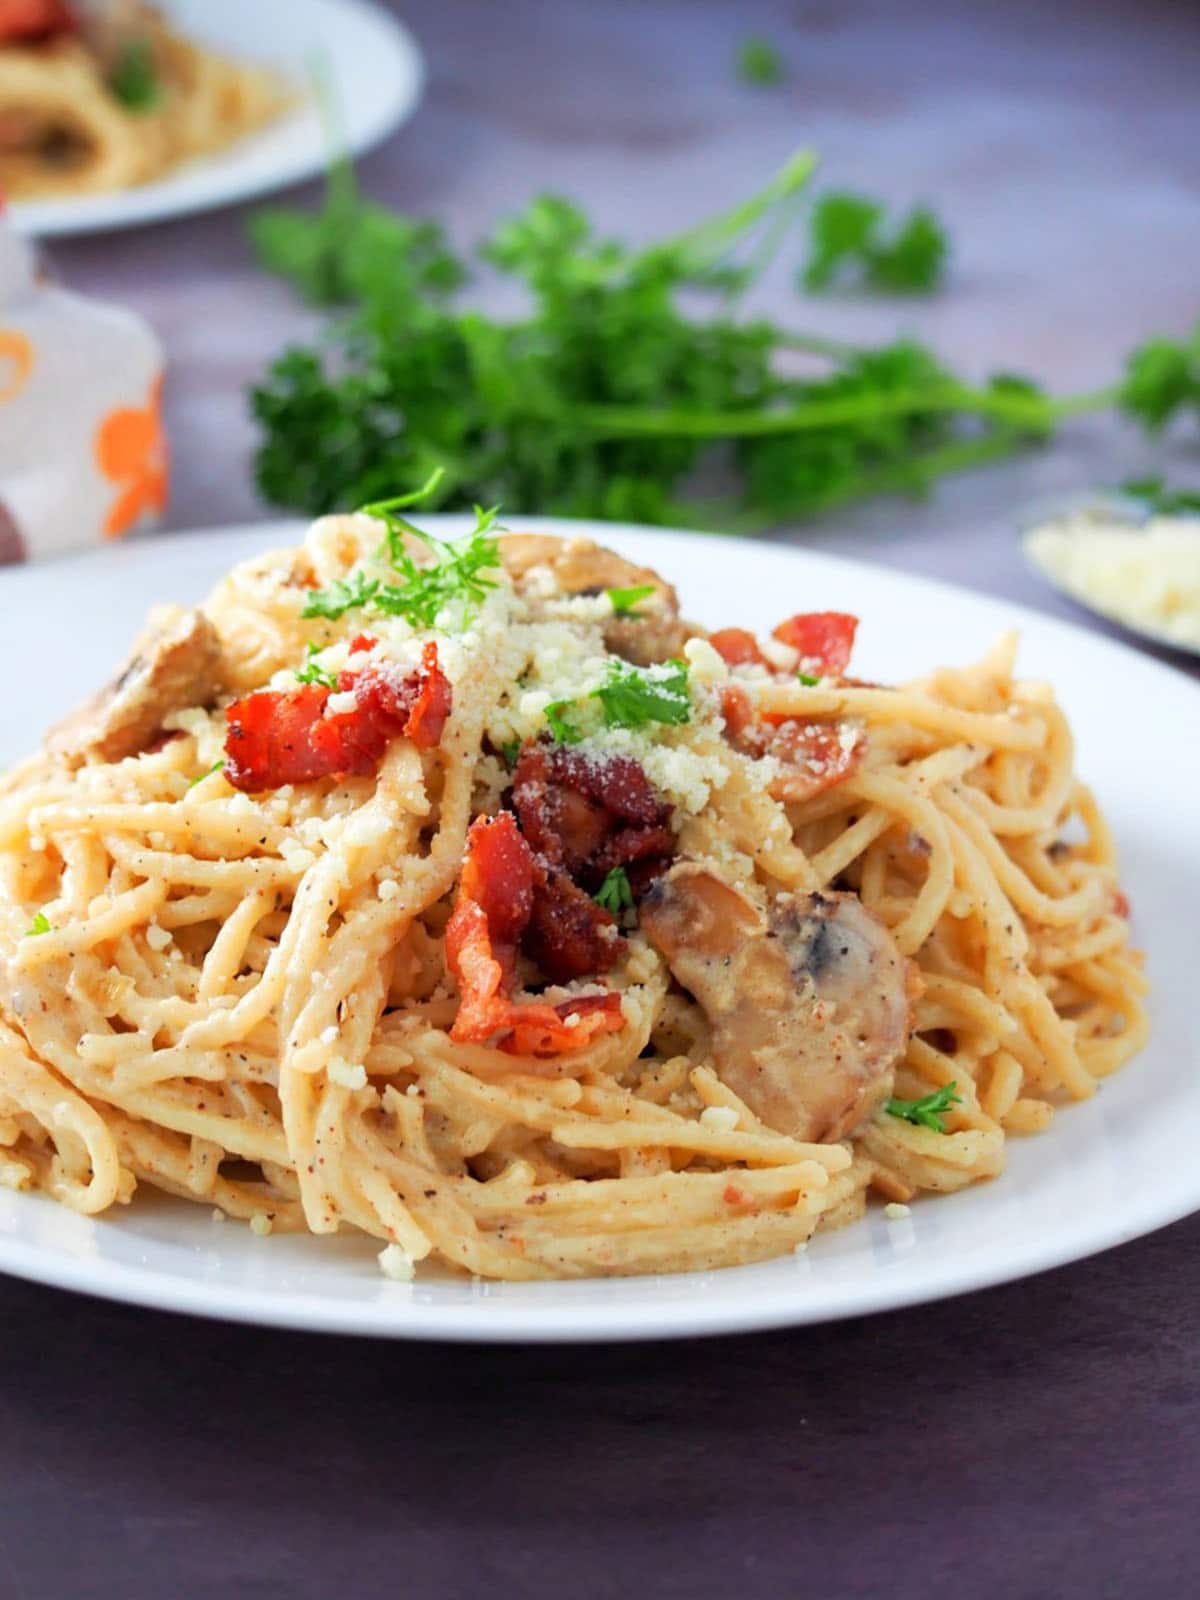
(809, 1004)
(580, 567)
(174, 664)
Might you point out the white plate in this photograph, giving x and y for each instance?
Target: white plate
(1107, 1171)
(375, 71)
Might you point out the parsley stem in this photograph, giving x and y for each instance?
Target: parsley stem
(706, 240)
(1031, 411)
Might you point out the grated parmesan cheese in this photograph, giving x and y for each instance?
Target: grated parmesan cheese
(894, 1211)
(157, 938)
(722, 1118)
(1146, 576)
(397, 1264)
(350, 1077)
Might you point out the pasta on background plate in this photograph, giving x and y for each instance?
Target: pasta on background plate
(467, 896)
(104, 96)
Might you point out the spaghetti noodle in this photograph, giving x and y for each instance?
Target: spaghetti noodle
(494, 911)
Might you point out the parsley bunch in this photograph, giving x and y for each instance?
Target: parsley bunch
(631, 378)
(629, 697)
(847, 231)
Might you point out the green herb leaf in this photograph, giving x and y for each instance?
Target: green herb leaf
(615, 894)
(313, 672)
(1162, 378)
(807, 679)
(562, 730)
(625, 601)
(509, 751)
(217, 766)
(633, 696)
(926, 1112)
(342, 595)
(1157, 497)
(760, 63)
(134, 77)
(847, 231)
(40, 924)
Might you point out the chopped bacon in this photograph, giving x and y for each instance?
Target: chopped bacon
(362, 642)
(35, 19)
(1120, 904)
(737, 647)
(823, 637)
(737, 711)
(291, 736)
(813, 757)
(575, 810)
(569, 935)
(496, 900)
(597, 1013)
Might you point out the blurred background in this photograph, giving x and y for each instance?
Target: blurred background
(1058, 146)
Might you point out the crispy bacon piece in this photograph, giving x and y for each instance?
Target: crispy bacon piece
(496, 900)
(588, 816)
(737, 647)
(824, 637)
(813, 755)
(34, 19)
(569, 935)
(291, 736)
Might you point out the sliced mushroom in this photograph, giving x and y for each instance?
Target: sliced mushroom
(580, 567)
(174, 664)
(809, 1003)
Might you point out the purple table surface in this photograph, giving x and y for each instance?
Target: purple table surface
(1037, 1440)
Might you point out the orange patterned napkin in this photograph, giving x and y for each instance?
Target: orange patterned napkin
(82, 451)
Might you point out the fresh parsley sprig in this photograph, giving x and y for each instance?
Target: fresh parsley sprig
(134, 78)
(217, 766)
(610, 394)
(927, 1111)
(40, 924)
(615, 894)
(455, 579)
(1157, 496)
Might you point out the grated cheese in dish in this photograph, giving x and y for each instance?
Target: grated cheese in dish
(1145, 575)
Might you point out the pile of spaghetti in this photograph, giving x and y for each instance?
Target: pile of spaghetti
(106, 96)
(465, 895)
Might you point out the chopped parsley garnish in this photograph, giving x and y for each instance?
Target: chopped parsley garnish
(40, 924)
(807, 679)
(509, 751)
(631, 697)
(454, 578)
(625, 601)
(134, 77)
(342, 595)
(1157, 497)
(217, 766)
(614, 894)
(565, 732)
(313, 672)
(759, 62)
(846, 231)
(926, 1112)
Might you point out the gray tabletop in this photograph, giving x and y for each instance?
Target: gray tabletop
(1036, 1440)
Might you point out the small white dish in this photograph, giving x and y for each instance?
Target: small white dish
(1108, 1170)
(375, 73)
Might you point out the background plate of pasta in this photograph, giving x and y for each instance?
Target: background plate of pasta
(115, 112)
(438, 929)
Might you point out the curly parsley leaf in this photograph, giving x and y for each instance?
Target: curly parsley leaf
(40, 924)
(342, 595)
(313, 672)
(615, 893)
(760, 63)
(926, 1112)
(847, 231)
(509, 751)
(632, 696)
(1162, 379)
(807, 679)
(560, 727)
(134, 76)
(626, 601)
(1158, 497)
